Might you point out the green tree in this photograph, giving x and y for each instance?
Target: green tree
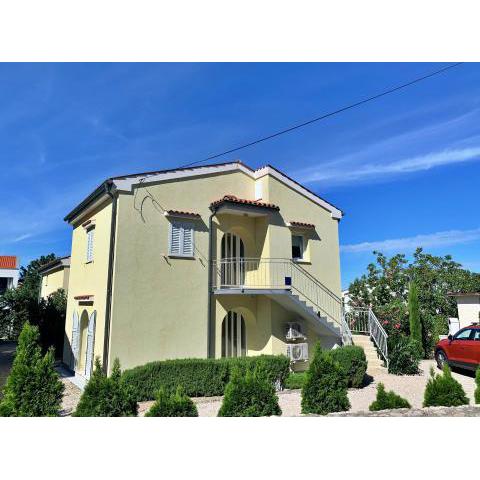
(106, 396)
(387, 400)
(325, 388)
(33, 388)
(477, 390)
(444, 390)
(414, 317)
(172, 405)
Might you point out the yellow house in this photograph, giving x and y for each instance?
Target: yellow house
(55, 276)
(210, 261)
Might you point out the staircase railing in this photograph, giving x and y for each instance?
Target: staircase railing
(364, 321)
(280, 273)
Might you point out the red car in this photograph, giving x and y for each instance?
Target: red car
(460, 350)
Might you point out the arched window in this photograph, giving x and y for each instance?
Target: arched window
(234, 338)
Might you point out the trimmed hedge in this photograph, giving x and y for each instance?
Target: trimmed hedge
(295, 380)
(444, 390)
(172, 405)
(353, 360)
(249, 395)
(387, 400)
(201, 377)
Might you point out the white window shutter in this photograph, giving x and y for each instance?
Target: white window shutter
(75, 340)
(90, 236)
(181, 241)
(90, 345)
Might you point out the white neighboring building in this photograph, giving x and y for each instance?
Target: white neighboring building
(8, 272)
(468, 305)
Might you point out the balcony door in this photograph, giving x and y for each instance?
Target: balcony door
(233, 261)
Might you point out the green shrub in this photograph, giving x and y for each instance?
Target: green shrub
(387, 400)
(444, 390)
(416, 333)
(477, 390)
(33, 388)
(325, 388)
(295, 380)
(249, 395)
(353, 360)
(106, 396)
(172, 405)
(404, 357)
(201, 377)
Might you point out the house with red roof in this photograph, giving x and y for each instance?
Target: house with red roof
(9, 271)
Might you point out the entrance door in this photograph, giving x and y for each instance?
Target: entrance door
(233, 261)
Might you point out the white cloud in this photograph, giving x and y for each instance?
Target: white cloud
(439, 239)
(21, 237)
(338, 173)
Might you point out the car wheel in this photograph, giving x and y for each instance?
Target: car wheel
(441, 359)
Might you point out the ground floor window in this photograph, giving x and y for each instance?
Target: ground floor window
(234, 343)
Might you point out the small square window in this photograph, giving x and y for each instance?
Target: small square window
(297, 247)
(181, 239)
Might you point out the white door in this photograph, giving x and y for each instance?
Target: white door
(75, 340)
(90, 345)
(233, 263)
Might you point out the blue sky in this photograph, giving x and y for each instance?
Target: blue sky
(404, 168)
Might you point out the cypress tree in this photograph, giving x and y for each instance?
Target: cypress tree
(414, 317)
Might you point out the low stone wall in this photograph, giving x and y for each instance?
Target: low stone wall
(464, 411)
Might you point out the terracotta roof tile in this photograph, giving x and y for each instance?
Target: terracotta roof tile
(8, 261)
(243, 201)
(182, 213)
(301, 224)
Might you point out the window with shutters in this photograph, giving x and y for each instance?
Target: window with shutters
(182, 240)
(90, 236)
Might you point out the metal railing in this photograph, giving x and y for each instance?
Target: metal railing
(364, 321)
(279, 273)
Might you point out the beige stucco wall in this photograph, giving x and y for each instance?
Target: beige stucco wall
(468, 309)
(89, 278)
(54, 280)
(160, 303)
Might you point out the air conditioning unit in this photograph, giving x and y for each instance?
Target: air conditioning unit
(294, 331)
(297, 352)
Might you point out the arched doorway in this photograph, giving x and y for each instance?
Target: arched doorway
(82, 342)
(232, 262)
(234, 335)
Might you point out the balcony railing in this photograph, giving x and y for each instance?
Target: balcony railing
(274, 274)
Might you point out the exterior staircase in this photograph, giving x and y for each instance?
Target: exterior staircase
(376, 365)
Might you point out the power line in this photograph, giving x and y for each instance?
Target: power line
(330, 114)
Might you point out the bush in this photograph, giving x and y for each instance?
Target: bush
(416, 333)
(249, 395)
(33, 388)
(106, 396)
(353, 360)
(295, 380)
(404, 357)
(172, 405)
(444, 390)
(387, 400)
(201, 377)
(325, 388)
(477, 390)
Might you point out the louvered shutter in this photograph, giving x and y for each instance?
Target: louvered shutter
(90, 235)
(181, 241)
(90, 345)
(75, 340)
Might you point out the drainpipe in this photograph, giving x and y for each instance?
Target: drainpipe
(210, 323)
(111, 257)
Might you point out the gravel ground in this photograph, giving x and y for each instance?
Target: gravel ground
(71, 396)
(409, 387)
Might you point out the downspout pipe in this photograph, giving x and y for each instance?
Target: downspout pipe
(210, 323)
(109, 189)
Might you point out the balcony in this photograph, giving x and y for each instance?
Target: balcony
(285, 282)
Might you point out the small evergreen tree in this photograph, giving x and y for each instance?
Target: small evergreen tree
(33, 388)
(477, 390)
(444, 390)
(387, 400)
(106, 396)
(251, 395)
(172, 405)
(325, 388)
(414, 317)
